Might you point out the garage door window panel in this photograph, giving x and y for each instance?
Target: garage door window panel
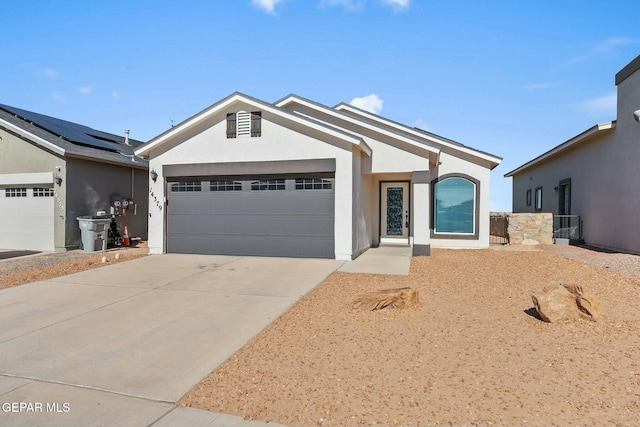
(186, 186)
(313, 184)
(268, 185)
(43, 192)
(15, 192)
(225, 186)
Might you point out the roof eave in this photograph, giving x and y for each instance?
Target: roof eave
(307, 103)
(145, 150)
(492, 159)
(42, 142)
(558, 149)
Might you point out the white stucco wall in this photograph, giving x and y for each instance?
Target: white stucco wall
(276, 143)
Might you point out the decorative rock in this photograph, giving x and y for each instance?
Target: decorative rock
(566, 303)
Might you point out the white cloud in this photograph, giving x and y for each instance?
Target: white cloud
(397, 5)
(604, 105)
(371, 103)
(84, 90)
(60, 98)
(603, 48)
(268, 6)
(50, 73)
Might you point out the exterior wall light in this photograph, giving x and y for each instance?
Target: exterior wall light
(636, 115)
(154, 175)
(57, 179)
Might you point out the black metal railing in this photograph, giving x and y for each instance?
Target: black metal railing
(567, 227)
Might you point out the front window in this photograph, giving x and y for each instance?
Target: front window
(538, 199)
(455, 206)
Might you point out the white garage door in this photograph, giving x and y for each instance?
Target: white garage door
(26, 218)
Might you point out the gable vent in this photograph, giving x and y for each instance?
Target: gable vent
(244, 123)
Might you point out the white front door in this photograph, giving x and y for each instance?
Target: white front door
(394, 221)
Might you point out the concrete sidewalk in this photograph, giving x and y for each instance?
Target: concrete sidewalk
(119, 345)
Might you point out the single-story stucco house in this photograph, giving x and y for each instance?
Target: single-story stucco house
(52, 171)
(592, 180)
(300, 179)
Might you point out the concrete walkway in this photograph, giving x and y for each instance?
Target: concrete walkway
(119, 345)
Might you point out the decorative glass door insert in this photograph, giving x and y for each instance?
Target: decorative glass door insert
(395, 212)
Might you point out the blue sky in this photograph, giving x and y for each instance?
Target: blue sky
(513, 78)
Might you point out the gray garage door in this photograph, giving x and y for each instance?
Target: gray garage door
(288, 216)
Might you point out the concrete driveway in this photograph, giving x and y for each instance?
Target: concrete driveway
(119, 345)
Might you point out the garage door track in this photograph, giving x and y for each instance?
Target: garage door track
(121, 344)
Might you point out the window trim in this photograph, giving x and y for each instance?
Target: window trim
(528, 197)
(232, 121)
(476, 211)
(538, 199)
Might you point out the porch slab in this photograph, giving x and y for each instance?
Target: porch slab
(385, 259)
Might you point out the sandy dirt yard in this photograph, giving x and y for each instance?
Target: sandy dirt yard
(473, 352)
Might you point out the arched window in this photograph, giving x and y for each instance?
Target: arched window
(455, 206)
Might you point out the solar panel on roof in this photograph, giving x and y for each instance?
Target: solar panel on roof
(72, 132)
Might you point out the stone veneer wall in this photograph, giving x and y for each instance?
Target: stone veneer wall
(524, 228)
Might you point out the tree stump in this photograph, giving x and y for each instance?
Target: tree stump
(386, 298)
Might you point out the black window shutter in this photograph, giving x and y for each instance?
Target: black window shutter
(231, 125)
(256, 124)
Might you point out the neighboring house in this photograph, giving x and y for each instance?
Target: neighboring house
(594, 175)
(296, 178)
(52, 171)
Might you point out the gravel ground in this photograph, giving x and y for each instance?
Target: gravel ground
(44, 266)
(473, 352)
